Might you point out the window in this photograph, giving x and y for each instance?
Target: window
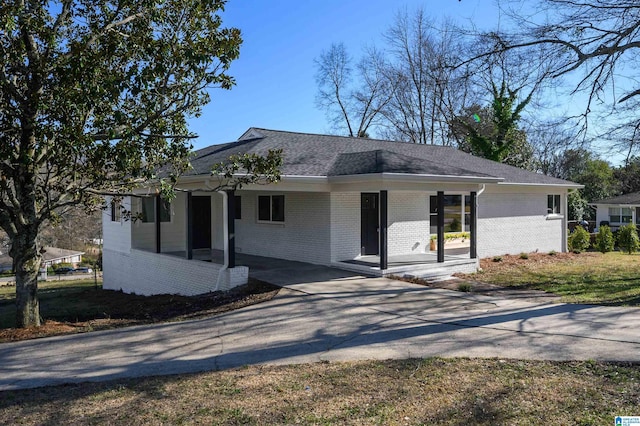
(115, 211)
(456, 213)
(238, 202)
(148, 208)
(271, 208)
(553, 204)
(620, 215)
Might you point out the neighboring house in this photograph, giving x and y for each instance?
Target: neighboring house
(365, 205)
(618, 211)
(53, 255)
(50, 256)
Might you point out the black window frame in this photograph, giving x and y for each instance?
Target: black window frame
(116, 214)
(238, 206)
(269, 206)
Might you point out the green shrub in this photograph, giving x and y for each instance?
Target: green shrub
(524, 255)
(579, 240)
(464, 287)
(604, 240)
(628, 238)
(497, 258)
(552, 253)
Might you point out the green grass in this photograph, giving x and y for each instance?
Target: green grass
(431, 391)
(612, 278)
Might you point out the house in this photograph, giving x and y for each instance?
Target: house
(365, 205)
(618, 211)
(50, 256)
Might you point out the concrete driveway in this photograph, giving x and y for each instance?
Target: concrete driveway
(327, 314)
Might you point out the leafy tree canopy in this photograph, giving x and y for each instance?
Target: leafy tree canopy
(94, 99)
(492, 131)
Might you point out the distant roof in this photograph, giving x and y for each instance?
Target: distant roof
(55, 253)
(50, 254)
(307, 154)
(633, 198)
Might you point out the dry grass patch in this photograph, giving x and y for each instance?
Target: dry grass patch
(410, 392)
(612, 278)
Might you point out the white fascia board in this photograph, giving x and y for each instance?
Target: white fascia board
(412, 178)
(305, 179)
(544, 185)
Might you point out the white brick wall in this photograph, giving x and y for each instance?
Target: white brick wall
(116, 235)
(173, 233)
(408, 222)
(304, 236)
(512, 223)
(345, 225)
(146, 273)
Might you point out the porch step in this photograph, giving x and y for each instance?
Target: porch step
(432, 271)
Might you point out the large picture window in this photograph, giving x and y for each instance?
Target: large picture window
(148, 208)
(457, 213)
(271, 208)
(620, 215)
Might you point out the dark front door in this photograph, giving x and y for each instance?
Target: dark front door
(201, 220)
(370, 223)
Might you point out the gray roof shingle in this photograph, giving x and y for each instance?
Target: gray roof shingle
(325, 155)
(633, 198)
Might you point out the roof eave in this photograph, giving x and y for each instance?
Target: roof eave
(555, 185)
(410, 177)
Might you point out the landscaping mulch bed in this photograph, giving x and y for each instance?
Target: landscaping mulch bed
(123, 310)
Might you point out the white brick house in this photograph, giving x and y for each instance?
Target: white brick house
(359, 204)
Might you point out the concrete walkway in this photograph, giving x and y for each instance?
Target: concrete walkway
(327, 314)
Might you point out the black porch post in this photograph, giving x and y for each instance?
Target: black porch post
(383, 230)
(440, 226)
(231, 227)
(189, 225)
(473, 226)
(158, 202)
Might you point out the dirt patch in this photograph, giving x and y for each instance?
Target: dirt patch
(123, 310)
(511, 261)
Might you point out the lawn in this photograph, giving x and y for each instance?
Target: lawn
(608, 279)
(395, 392)
(79, 305)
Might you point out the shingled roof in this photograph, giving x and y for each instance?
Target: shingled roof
(307, 154)
(633, 198)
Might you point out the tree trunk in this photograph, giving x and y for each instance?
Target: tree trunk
(27, 260)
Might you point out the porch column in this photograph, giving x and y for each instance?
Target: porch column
(473, 226)
(440, 226)
(189, 209)
(158, 203)
(383, 230)
(231, 227)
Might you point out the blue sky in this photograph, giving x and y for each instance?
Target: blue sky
(275, 72)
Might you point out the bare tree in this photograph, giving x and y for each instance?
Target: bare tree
(352, 107)
(550, 139)
(594, 42)
(428, 90)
